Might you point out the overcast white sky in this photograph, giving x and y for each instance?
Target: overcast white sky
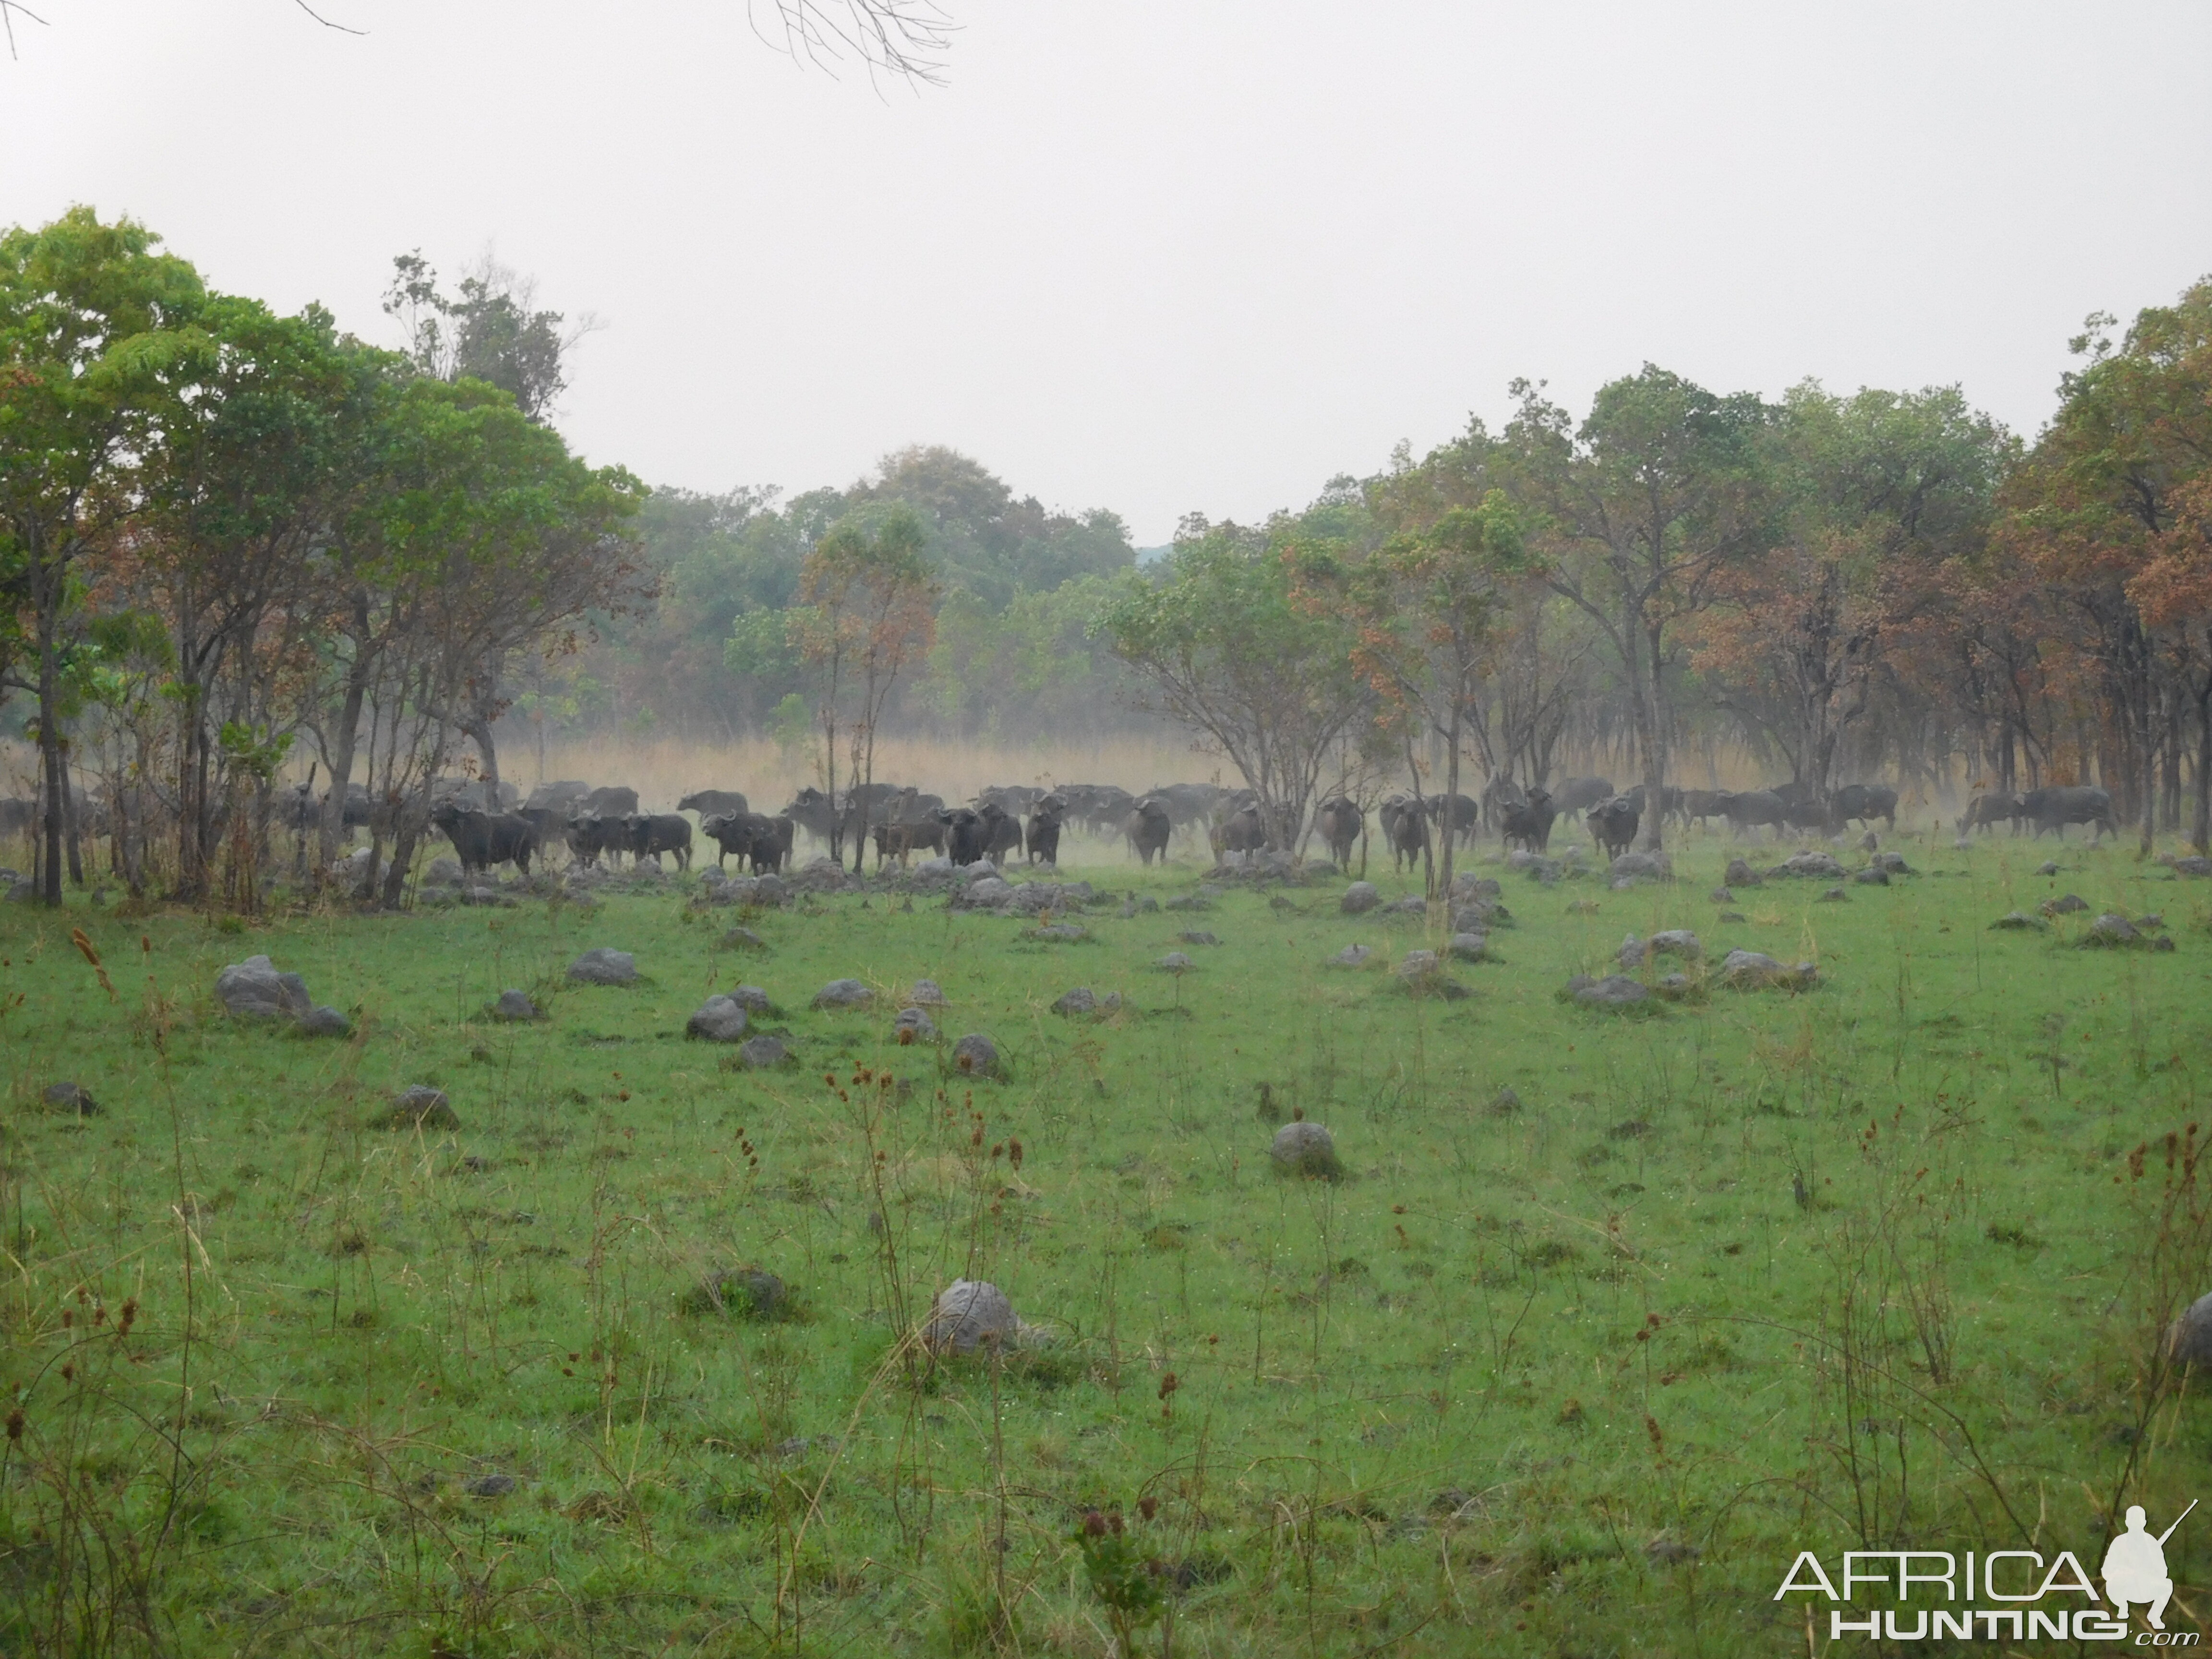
(1161, 255)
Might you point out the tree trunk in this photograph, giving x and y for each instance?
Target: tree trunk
(478, 730)
(866, 787)
(404, 838)
(1451, 801)
(2170, 743)
(49, 758)
(340, 761)
(69, 826)
(1421, 812)
(1651, 740)
(2201, 835)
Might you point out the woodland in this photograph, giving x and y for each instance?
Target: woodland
(243, 552)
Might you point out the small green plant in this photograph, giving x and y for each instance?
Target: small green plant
(1124, 1576)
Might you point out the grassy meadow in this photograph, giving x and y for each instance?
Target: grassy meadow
(1610, 1315)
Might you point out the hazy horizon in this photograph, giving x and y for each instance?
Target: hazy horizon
(1160, 260)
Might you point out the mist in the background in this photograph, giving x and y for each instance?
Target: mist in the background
(1161, 258)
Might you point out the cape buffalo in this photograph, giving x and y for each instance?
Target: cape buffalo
(2056, 808)
(1045, 817)
(1864, 803)
(1529, 822)
(1340, 822)
(1748, 808)
(611, 800)
(731, 832)
(1699, 804)
(1986, 812)
(710, 802)
(1404, 829)
(1241, 831)
(1148, 826)
(564, 797)
(483, 839)
(1002, 831)
(1462, 812)
(903, 838)
(1014, 797)
(763, 842)
(652, 833)
(963, 833)
(1098, 807)
(1576, 793)
(589, 835)
(1612, 825)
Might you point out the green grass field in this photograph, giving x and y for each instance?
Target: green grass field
(1609, 1317)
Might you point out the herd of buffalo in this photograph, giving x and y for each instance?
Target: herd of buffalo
(489, 827)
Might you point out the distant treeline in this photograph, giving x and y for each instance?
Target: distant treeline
(1877, 585)
(1019, 590)
(235, 545)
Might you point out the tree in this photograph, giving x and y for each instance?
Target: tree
(91, 316)
(237, 510)
(1234, 635)
(1641, 507)
(1428, 609)
(491, 331)
(2108, 512)
(982, 539)
(868, 610)
(1876, 492)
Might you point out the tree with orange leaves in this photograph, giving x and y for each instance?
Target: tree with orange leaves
(2105, 525)
(1876, 491)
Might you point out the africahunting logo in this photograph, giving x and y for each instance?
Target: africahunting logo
(2031, 1598)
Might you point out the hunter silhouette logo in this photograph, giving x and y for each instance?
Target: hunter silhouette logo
(2135, 1567)
(2003, 1597)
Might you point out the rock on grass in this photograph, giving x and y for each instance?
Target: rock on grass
(1755, 970)
(969, 1315)
(604, 967)
(420, 1107)
(740, 1294)
(763, 1054)
(2191, 1339)
(2111, 932)
(843, 994)
(71, 1097)
(976, 1056)
(254, 989)
(719, 1019)
(1305, 1149)
(1613, 990)
(516, 1005)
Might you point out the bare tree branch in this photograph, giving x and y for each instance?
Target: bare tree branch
(905, 38)
(8, 10)
(325, 21)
